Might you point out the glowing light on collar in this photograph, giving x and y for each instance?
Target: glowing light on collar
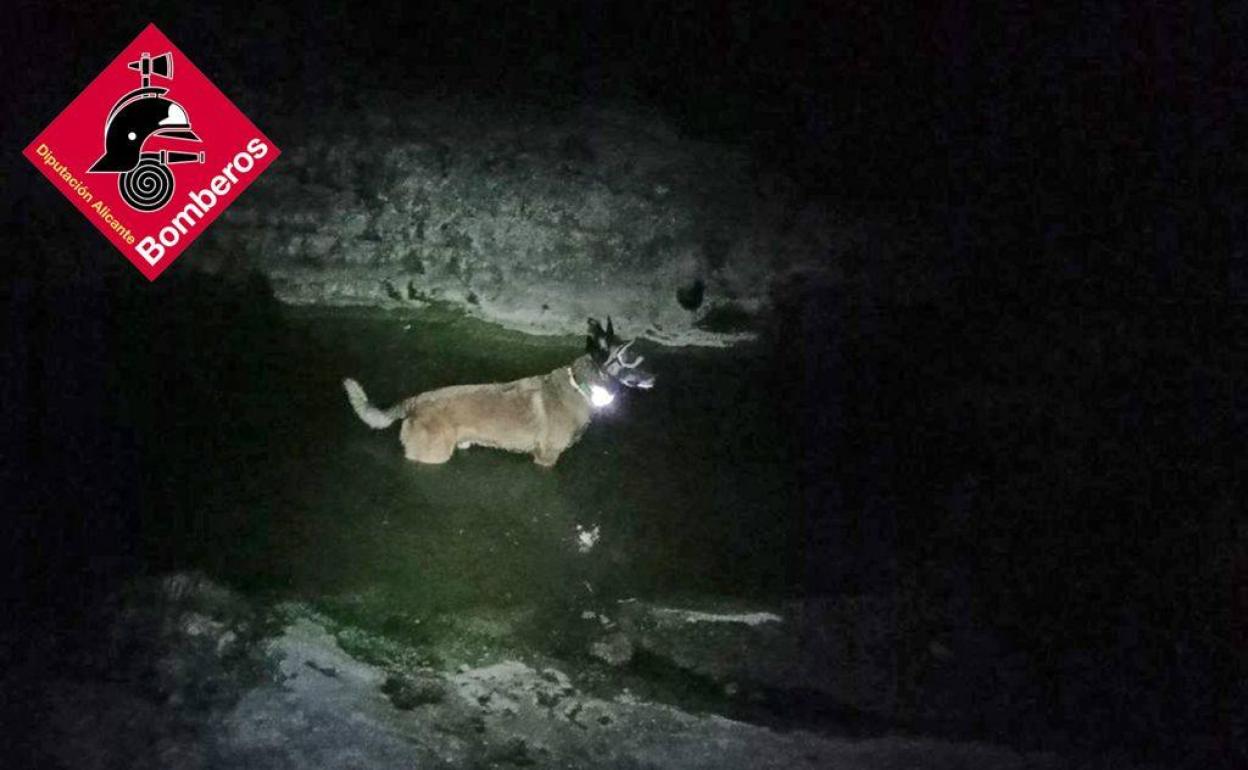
(597, 396)
(600, 396)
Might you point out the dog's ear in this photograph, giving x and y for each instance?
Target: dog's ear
(599, 336)
(610, 330)
(596, 350)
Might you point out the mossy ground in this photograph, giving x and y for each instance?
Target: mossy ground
(279, 488)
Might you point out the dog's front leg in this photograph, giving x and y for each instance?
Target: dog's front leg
(545, 454)
(546, 457)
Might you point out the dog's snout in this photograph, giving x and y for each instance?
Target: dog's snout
(640, 380)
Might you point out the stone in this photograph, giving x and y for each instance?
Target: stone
(839, 648)
(614, 649)
(652, 229)
(318, 706)
(407, 692)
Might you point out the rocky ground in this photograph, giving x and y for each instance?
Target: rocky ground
(184, 673)
(534, 219)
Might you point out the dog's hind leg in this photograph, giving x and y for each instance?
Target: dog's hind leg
(426, 442)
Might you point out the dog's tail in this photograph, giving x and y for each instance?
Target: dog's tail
(372, 416)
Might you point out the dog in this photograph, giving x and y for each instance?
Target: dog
(542, 415)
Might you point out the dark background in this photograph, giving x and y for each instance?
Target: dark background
(1063, 431)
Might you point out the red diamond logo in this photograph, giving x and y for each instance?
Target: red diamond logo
(151, 152)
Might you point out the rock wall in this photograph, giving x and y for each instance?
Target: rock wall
(534, 218)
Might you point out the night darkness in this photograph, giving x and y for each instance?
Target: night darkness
(988, 425)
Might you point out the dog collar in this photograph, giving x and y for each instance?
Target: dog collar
(583, 391)
(597, 396)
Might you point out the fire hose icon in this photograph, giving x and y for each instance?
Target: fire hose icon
(146, 182)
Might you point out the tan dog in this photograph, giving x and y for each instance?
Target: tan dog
(541, 415)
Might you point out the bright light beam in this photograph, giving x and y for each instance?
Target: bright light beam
(600, 396)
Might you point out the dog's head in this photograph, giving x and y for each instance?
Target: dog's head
(610, 355)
